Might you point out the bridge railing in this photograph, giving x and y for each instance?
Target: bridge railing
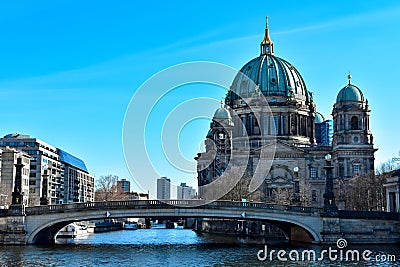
(3, 212)
(346, 214)
(267, 206)
(141, 204)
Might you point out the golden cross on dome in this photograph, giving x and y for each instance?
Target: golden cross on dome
(349, 77)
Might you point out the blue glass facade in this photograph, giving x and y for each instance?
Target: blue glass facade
(71, 160)
(324, 133)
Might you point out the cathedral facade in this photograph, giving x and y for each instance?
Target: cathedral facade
(268, 105)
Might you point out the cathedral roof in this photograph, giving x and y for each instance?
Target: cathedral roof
(350, 93)
(319, 118)
(272, 75)
(222, 113)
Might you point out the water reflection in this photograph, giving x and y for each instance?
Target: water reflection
(166, 247)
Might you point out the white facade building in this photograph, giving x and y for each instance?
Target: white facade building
(185, 192)
(51, 170)
(11, 157)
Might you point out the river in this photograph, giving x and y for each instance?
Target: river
(174, 247)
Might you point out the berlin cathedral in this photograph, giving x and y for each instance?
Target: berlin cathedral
(302, 137)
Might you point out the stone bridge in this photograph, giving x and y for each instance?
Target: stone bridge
(40, 224)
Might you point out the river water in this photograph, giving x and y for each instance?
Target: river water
(175, 247)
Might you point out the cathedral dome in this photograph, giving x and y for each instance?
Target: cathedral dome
(319, 118)
(350, 93)
(274, 76)
(222, 114)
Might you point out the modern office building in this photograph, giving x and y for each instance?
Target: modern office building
(48, 166)
(323, 130)
(125, 185)
(184, 191)
(163, 188)
(9, 159)
(78, 183)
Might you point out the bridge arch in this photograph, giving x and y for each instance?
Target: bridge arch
(46, 226)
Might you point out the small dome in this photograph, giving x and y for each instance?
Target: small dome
(222, 114)
(319, 118)
(350, 93)
(209, 134)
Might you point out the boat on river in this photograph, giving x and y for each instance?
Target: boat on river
(130, 226)
(73, 230)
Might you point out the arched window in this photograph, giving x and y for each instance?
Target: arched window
(356, 169)
(354, 123)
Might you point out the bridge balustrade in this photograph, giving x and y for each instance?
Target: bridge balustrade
(150, 204)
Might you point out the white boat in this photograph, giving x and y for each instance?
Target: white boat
(73, 230)
(156, 225)
(180, 225)
(130, 226)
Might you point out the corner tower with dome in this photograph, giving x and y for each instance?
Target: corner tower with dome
(288, 120)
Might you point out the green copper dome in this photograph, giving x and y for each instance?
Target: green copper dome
(222, 114)
(350, 93)
(319, 118)
(274, 76)
(209, 134)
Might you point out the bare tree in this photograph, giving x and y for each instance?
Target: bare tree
(241, 183)
(282, 195)
(107, 189)
(305, 194)
(5, 198)
(367, 192)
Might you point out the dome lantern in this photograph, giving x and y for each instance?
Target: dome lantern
(267, 46)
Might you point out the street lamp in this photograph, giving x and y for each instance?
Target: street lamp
(330, 208)
(296, 196)
(45, 187)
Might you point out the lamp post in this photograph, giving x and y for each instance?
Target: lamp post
(330, 208)
(17, 197)
(45, 188)
(17, 202)
(296, 196)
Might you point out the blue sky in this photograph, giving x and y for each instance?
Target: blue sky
(68, 69)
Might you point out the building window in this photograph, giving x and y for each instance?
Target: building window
(313, 173)
(11, 144)
(354, 123)
(356, 169)
(244, 132)
(29, 144)
(265, 125)
(275, 128)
